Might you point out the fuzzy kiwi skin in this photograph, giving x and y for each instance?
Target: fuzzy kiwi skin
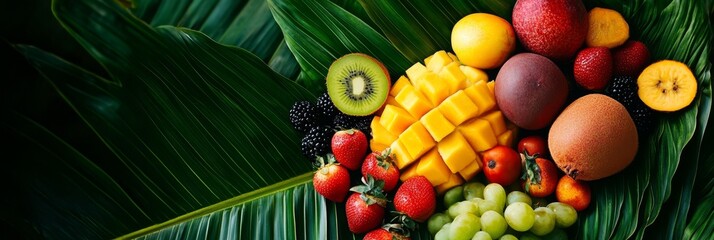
(593, 138)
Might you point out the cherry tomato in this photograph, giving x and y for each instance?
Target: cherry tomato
(534, 145)
(502, 165)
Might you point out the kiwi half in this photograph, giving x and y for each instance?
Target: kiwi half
(358, 84)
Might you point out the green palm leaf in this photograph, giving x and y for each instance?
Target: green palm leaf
(201, 133)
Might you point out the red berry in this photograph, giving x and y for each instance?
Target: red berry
(630, 58)
(416, 198)
(379, 165)
(349, 147)
(332, 181)
(593, 68)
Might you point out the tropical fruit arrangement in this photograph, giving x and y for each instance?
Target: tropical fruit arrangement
(572, 107)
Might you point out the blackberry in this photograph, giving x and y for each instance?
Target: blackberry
(624, 90)
(316, 142)
(325, 109)
(303, 116)
(344, 121)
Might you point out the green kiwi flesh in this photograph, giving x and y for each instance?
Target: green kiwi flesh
(358, 84)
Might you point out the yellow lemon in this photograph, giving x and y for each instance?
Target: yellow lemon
(483, 40)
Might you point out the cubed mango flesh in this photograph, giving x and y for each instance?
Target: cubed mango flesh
(380, 134)
(452, 76)
(438, 61)
(395, 119)
(454, 180)
(437, 125)
(433, 88)
(492, 87)
(408, 172)
(479, 134)
(413, 101)
(417, 140)
(415, 71)
(458, 108)
(473, 75)
(481, 96)
(433, 168)
(376, 146)
(453, 57)
(470, 171)
(506, 138)
(456, 151)
(496, 120)
(398, 85)
(401, 156)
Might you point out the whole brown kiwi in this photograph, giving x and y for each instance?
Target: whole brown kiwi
(593, 138)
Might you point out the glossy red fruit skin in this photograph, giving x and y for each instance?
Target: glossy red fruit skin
(382, 234)
(502, 165)
(534, 145)
(630, 58)
(593, 68)
(332, 182)
(371, 166)
(552, 28)
(362, 217)
(548, 179)
(416, 198)
(349, 147)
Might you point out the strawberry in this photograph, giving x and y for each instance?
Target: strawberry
(380, 166)
(630, 58)
(540, 175)
(384, 234)
(593, 68)
(332, 181)
(416, 198)
(365, 207)
(349, 147)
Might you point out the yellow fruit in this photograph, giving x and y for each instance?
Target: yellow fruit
(437, 123)
(454, 180)
(483, 40)
(607, 28)
(667, 86)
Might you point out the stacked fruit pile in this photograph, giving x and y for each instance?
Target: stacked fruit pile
(443, 122)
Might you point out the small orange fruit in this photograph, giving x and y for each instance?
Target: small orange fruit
(573, 192)
(607, 28)
(483, 40)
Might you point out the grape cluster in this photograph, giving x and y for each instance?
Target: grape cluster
(478, 211)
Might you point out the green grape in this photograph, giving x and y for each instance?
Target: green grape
(464, 227)
(544, 221)
(473, 190)
(495, 193)
(454, 195)
(481, 235)
(488, 205)
(508, 237)
(565, 215)
(529, 236)
(437, 221)
(461, 208)
(493, 223)
(519, 216)
(557, 234)
(518, 196)
(442, 234)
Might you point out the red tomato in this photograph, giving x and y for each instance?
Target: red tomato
(534, 145)
(502, 165)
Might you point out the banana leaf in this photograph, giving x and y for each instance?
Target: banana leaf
(205, 150)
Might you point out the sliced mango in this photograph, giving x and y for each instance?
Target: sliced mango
(380, 134)
(481, 96)
(456, 151)
(496, 120)
(438, 61)
(377, 147)
(479, 134)
(458, 108)
(470, 171)
(433, 88)
(415, 71)
(506, 138)
(452, 76)
(407, 173)
(437, 125)
(398, 85)
(413, 101)
(416, 140)
(473, 75)
(395, 119)
(433, 168)
(401, 156)
(454, 180)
